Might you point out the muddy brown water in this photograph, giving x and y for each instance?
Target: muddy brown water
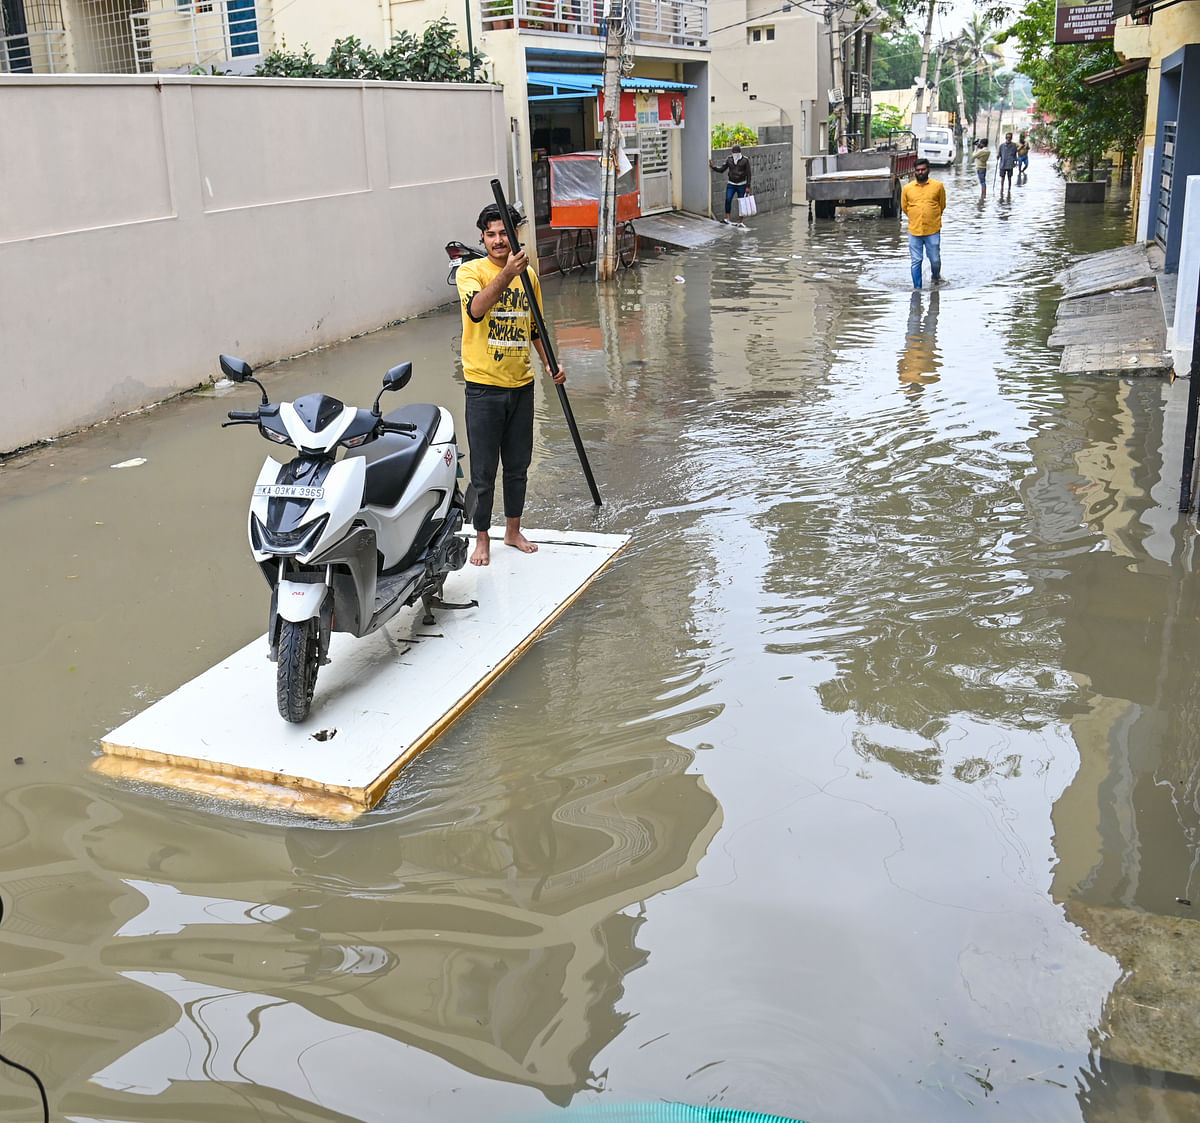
(832, 799)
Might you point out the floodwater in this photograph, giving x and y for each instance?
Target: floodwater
(862, 787)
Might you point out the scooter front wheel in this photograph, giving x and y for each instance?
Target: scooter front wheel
(296, 670)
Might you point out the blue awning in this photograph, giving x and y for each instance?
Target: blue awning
(544, 86)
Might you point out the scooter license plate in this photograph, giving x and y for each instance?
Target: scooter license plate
(288, 491)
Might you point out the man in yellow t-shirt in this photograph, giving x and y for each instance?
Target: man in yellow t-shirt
(922, 202)
(498, 331)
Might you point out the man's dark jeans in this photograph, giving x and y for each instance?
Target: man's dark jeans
(499, 431)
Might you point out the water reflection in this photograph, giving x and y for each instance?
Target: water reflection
(920, 359)
(500, 936)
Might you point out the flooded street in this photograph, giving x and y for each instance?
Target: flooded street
(862, 787)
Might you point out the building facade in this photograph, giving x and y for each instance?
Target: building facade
(772, 67)
(1164, 40)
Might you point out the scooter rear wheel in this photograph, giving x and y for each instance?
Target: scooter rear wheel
(296, 670)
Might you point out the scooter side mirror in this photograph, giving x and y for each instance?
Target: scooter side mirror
(236, 370)
(395, 379)
(398, 377)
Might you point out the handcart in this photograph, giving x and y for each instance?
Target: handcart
(575, 185)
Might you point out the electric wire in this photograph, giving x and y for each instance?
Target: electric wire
(21, 1068)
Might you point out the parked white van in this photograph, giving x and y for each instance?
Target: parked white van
(937, 145)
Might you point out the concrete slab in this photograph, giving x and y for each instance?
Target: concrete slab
(1152, 1016)
(1120, 332)
(1122, 268)
(1115, 360)
(378, 703)
(683, 231)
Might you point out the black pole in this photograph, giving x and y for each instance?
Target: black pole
(515, 247)
(470, 44)
(1189, 433)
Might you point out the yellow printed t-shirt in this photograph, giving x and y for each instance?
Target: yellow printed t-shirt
(923, 203)
(495, 350)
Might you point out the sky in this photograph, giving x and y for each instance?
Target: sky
(948, 24)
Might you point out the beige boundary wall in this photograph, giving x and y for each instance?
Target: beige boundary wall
(149, 223)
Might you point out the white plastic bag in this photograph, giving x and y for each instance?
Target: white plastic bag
(747, 206)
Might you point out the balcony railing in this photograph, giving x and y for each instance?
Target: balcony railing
(676, 23)
(205, 34)
(34, 52)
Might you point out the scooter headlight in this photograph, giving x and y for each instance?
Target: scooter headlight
(289, 542)
(278, 438)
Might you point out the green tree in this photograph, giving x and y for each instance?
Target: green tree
(895, 62)
(886, 119)
(1084, 122)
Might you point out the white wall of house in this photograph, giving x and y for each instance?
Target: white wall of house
(175, 218)
(761, 80)
(318, 23)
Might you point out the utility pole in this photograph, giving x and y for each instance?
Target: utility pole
(961, 103)
(975, 115)
(837, 68)
(920, 103)
(606, 233)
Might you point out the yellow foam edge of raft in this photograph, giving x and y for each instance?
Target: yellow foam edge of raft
(274, 791)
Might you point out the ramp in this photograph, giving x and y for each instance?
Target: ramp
(680, 230)
(378, 703)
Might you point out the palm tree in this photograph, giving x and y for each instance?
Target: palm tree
(980, 53)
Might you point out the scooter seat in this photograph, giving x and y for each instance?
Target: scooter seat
(392, 458)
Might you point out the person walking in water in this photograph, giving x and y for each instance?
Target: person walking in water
(981, 156)
(1006, 158)
(1022, 158)
(498, 333)
(923, 201)
(737, 167)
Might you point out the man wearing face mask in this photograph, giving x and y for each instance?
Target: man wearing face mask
(737, 168)
(922, 202)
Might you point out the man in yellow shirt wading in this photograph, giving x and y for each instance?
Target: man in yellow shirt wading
(498, 331)
(922, 202)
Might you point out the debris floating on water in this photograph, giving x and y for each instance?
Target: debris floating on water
(136, 462)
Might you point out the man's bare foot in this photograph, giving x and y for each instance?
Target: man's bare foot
(516, 539)
(482, 554)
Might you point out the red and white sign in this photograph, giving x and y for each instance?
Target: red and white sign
(646, 110)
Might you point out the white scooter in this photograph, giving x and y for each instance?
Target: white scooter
(346, 543)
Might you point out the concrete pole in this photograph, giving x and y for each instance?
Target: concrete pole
(925, 58)
(868, 63)
(606, 233)
(961, 96)
(835, 57)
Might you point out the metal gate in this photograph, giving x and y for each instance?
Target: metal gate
(654, 163)
(1162, 215)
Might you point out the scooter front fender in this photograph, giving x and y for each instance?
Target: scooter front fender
(298, 601)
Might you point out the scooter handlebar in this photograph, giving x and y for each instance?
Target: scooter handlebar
(397, 427)
(243, 415)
